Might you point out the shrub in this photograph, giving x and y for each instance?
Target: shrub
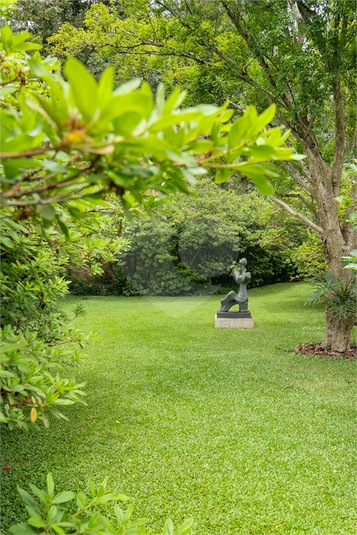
(50, 513)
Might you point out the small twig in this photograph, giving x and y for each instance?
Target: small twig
(33, 152)
(9, 82)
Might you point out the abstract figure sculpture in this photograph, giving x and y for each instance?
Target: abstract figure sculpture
(235, 318)
(242, 277)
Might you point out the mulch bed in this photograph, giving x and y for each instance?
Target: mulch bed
(317, 350)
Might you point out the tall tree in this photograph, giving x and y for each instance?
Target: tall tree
(298, 54)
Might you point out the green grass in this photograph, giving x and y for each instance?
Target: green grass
(224, 425)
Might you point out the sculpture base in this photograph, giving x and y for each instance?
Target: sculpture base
(226, 320)
(234, 314)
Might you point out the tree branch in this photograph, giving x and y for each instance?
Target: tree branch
(292, 212)
(305, 201)
(340, 136)
(27, 153)
(254, 47)
(297, 177)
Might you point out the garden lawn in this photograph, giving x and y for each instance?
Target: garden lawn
(227, 426)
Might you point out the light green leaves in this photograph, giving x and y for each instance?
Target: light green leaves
(53, 515)
(63, 497)
(16, 43)
(83, 88)
(249, 145)
(50, 485)
(128, 142)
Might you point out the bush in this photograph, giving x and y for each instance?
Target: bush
(32, 378)
(194, 248)
(52, 513)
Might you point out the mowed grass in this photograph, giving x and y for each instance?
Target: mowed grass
(227, 426)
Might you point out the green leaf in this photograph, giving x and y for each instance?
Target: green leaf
(160, 99)
(58, 529)
(36, 522)
(5, 373)
(91, 487)
(84, 88)
(50, 485)
(12, 347)
(263, 185)
(63, 497)
(265, 118)
(25, 46)
(8, 89)
(47, 211)
(105, 87)
(119, 515)
(111, 497)
(223, 175)
(139, 522)
(128, 87)
(82, 500)
(7, 242)
(123, 104)
(174, 100)
(53, 166)
(6, 37)
(23, 529)
(168, 527)
(243, 129)
(63, 227)
(185, 527)
(128, 513)
(27, 498)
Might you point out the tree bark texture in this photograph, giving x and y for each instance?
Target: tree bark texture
(338, 331)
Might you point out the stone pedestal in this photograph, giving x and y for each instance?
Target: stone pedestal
(233, 320)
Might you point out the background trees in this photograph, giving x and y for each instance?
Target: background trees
(190, 251)
(296, 54)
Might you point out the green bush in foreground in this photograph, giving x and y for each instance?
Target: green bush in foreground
(53, 513)
(32, 377)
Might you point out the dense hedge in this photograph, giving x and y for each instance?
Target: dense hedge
(192, 251)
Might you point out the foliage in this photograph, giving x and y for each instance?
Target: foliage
(98, 141)
(34, 261)
(351, 260)
(339, 296)
(192, 248)
(51, 514)
(33, 281)
(208, 47)
(213, 424)
(31, 378)
(64, 146)
(310, 256)
(43, 19)
(7, 8)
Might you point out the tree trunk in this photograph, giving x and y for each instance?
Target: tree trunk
(338, 331)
